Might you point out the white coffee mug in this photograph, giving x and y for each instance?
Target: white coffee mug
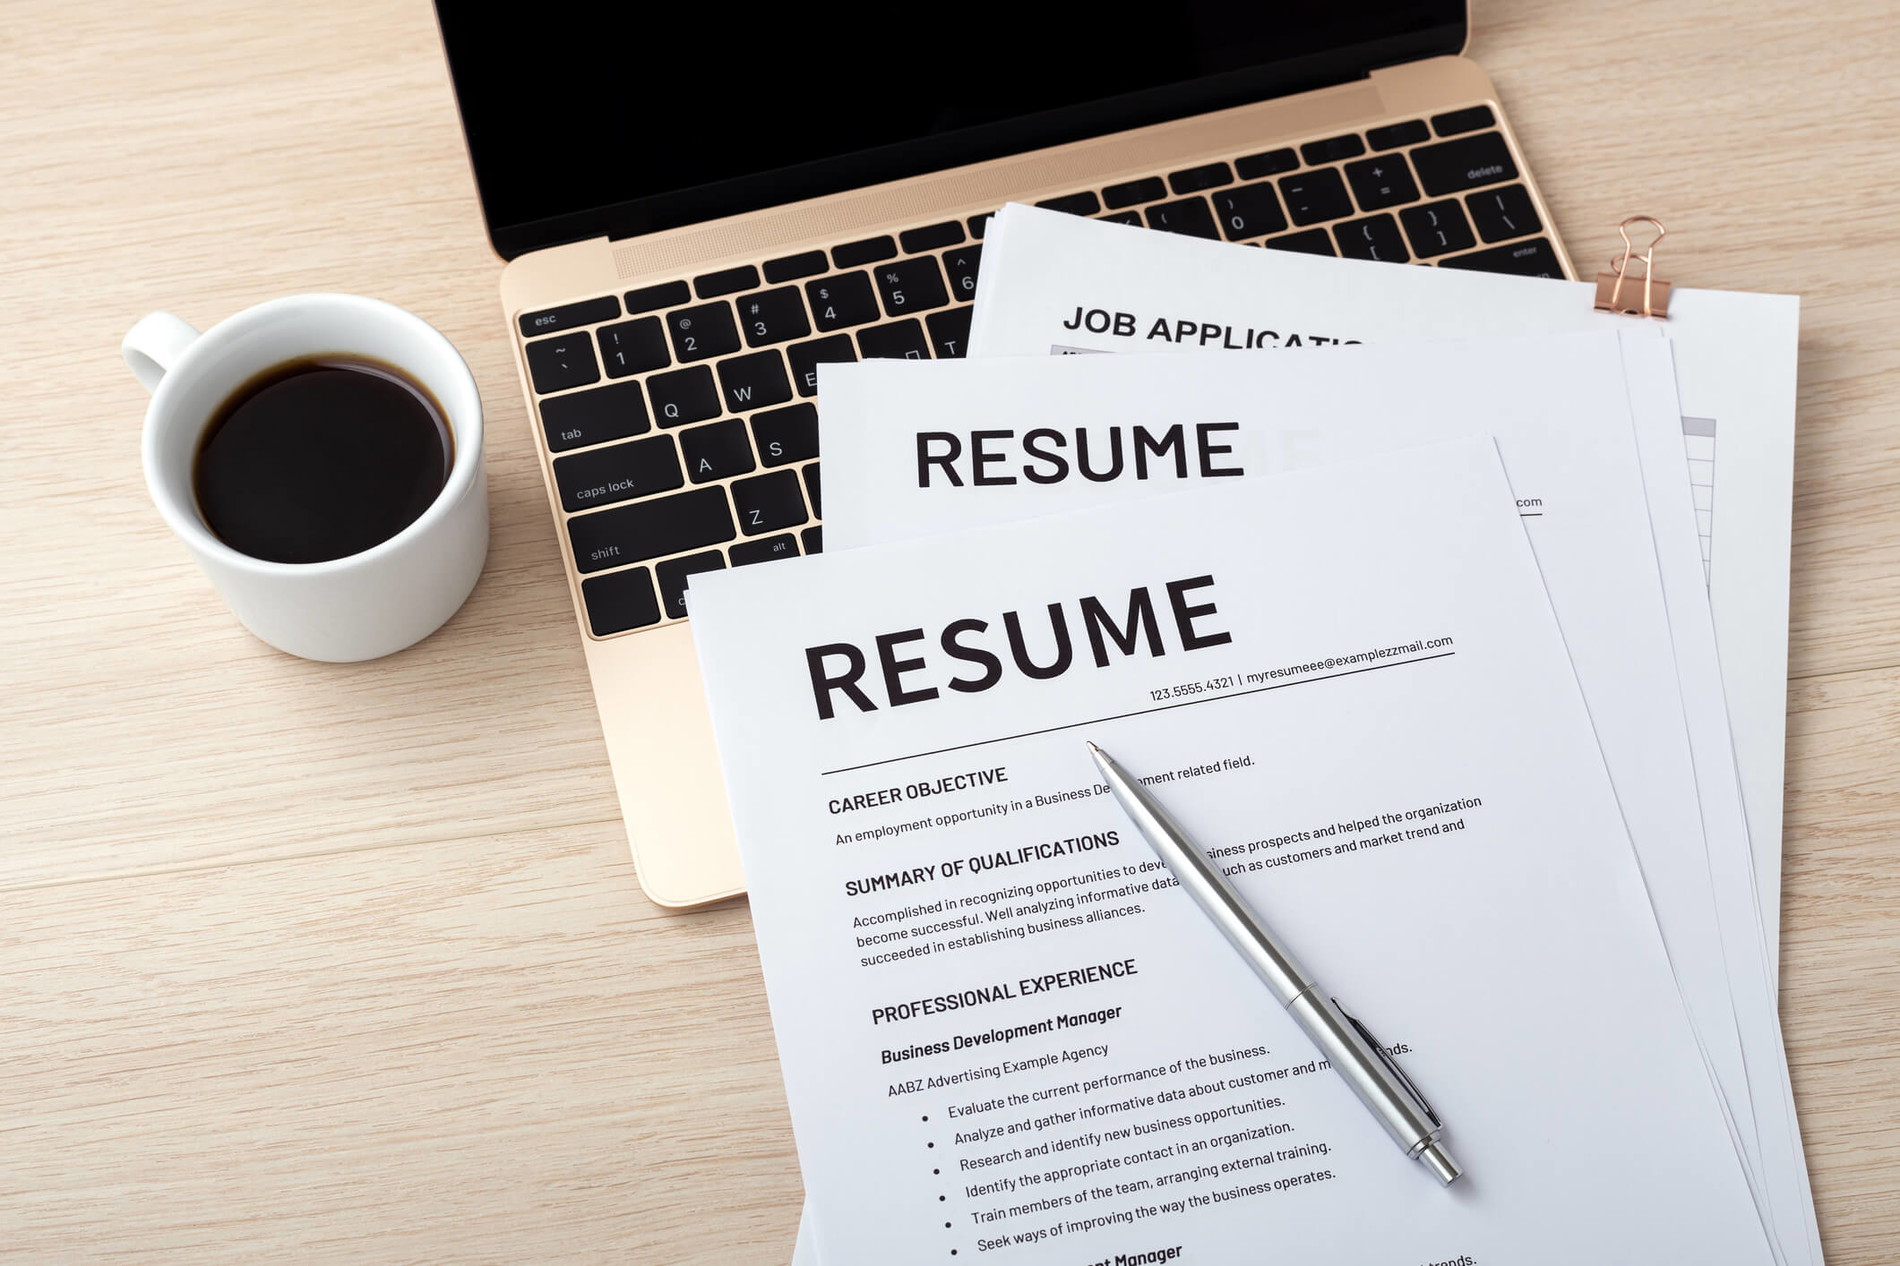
(361, 606)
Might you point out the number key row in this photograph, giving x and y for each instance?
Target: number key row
(765, 318)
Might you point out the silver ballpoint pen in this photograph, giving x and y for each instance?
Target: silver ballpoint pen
(1373, 1075)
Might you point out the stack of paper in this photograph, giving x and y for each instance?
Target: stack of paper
(1050, 282)
(1415, 636)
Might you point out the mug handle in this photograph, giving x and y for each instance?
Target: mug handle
(153, 345)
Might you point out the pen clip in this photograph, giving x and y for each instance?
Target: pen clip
(1424, 1104)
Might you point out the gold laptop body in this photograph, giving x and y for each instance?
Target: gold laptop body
(645, 678)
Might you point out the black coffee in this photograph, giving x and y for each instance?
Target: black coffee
(321, 458)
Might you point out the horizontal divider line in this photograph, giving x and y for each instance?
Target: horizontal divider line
(1119, 716)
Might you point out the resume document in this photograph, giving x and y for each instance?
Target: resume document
(1006, 1034)
(936, 446)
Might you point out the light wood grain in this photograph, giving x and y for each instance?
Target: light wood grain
(347, 963)
(485, 1049)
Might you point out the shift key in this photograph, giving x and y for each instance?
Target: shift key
(651, 529)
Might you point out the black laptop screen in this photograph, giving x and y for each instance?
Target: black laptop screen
(585, 119)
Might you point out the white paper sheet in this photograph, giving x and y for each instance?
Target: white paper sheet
(1562, 416)
(1676, 523)
(1735, 365)
(1510, 952)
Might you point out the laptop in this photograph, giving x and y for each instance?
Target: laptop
(695, 217)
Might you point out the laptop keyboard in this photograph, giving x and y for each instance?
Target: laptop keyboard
(679, 419)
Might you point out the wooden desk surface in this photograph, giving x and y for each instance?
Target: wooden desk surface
(349, 963)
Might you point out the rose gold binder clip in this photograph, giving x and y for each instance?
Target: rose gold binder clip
(1617, 291)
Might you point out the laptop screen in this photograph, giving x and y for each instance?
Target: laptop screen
(585, 119)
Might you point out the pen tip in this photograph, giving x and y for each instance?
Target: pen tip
(1094, 750)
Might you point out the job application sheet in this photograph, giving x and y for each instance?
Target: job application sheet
(1005, 1033)
(1053, 281)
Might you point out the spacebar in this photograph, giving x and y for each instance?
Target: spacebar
(650, 529)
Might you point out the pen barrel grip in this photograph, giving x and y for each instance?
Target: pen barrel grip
(1355, 1059)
